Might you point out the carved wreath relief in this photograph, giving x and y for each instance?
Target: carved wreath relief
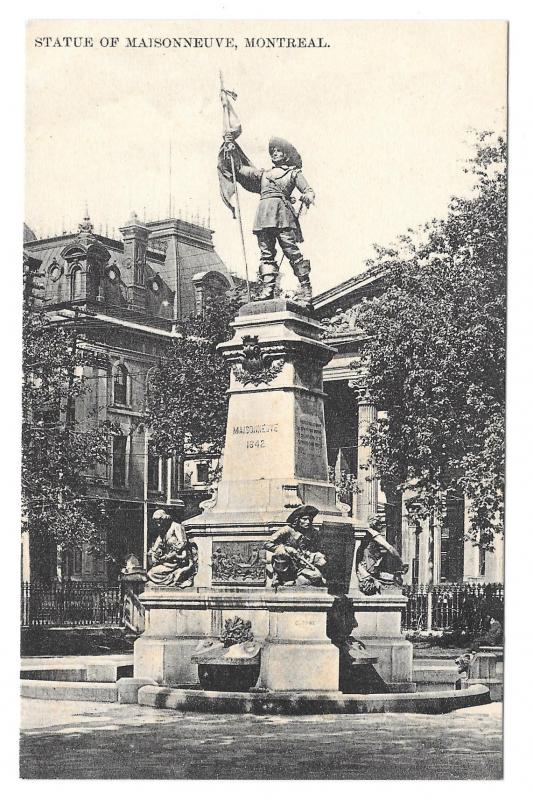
(256, 366)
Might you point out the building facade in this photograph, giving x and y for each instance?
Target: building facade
(124, 297)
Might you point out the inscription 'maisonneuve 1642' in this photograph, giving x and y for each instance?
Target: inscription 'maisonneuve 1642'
(254, 432)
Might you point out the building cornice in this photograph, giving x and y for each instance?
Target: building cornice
(346, 288)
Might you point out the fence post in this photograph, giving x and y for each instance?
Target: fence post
(429, 609)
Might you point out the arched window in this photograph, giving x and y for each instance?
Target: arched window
(76, 284)
(120, 385)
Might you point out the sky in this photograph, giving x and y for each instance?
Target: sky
(381, 117)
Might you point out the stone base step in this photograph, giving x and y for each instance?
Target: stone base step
(93, 672)
(70, 690)
(299, 703)
(435, 674)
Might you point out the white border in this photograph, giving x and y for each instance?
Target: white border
(518, 573)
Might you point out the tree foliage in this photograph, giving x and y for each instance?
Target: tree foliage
(188, 402)
(435, 356)
(57, 456)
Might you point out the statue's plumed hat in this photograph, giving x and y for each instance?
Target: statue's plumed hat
(292, 155)
(302, 511)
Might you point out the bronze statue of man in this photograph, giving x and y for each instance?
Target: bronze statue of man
(276, 219)
(296, 560)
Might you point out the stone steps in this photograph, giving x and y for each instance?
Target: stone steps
(98, 670)
(69, 690)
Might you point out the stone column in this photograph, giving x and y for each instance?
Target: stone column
(437, 544)
(423, 553)
(470, 561)
(26, 563)
(471, 552)
(495, 561)
(367, 499)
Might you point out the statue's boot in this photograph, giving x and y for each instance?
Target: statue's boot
(268, 277)
(302, 270)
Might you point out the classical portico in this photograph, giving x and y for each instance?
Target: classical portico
(433, 556)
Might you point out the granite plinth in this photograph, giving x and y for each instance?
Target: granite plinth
(377, 623)
(260, 307)
(290, 623)
(297, 653)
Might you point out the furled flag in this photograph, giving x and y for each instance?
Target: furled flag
(232, 123)
(231, 126)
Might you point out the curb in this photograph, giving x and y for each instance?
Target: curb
(299, 703)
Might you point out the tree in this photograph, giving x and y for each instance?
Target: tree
(188, 404)
(435, 356)
(57, 456)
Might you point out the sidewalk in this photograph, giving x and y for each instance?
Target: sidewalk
(98, 740)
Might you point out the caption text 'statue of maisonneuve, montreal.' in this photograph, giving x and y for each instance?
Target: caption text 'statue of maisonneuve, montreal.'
(186, 42)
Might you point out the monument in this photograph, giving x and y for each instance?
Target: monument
(275, 464)
(272, 548)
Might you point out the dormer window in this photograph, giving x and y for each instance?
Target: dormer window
(76, 287)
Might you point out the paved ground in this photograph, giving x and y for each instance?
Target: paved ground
(100, 740)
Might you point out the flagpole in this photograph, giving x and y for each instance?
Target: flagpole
(237, 201)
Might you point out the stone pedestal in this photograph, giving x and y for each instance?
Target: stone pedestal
(176, 622)
(297, 655)
(378, 625)
(275, 454)
(289, 623)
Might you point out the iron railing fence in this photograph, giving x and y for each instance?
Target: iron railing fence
(458, 606)
(70, 603)
(462, 606)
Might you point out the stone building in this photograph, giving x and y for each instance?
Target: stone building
(348, 413)
(124, 297)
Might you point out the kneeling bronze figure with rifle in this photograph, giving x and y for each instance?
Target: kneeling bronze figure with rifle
(295, 560)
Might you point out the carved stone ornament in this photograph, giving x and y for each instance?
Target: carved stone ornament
(55, 270)
(256, 366)
(361, 391)
(291, 499)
